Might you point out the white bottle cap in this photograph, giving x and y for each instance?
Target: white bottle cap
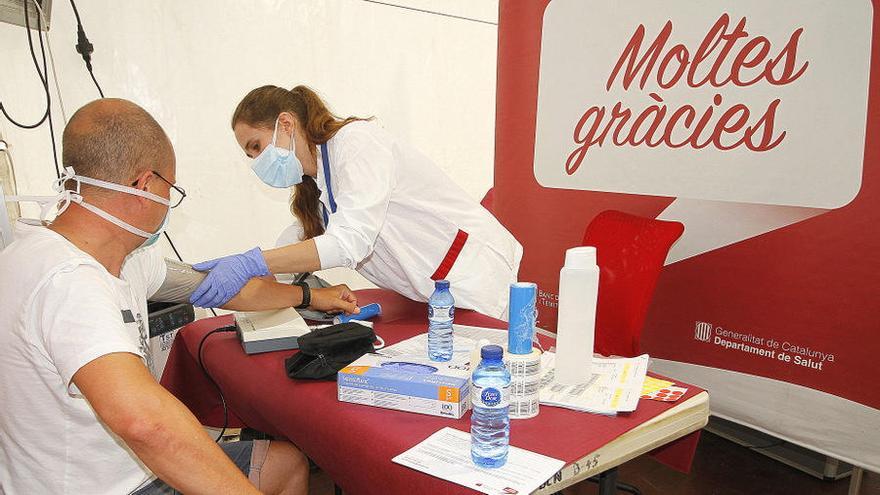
(580, 257)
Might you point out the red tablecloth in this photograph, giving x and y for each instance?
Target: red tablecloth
(354, 444)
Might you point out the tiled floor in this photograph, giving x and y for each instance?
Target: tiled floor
(720, 468)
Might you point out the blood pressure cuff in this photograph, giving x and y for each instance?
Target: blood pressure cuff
(323, 352)
(180, 282)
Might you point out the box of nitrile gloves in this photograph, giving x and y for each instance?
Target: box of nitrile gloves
(406, 383)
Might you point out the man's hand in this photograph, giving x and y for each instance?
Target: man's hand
(338, 298)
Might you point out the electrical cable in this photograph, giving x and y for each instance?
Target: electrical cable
(52, 62)
(100, 91)
(84, 47)
(42, 80)
(46, 82)
(173, 247)
(432, 12)
(205, 371)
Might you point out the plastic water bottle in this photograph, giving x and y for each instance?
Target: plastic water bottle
(441, 312)
(490, 420)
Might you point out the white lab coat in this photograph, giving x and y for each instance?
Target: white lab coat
(397, 215)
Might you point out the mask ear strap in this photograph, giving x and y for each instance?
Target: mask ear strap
(112, 219)
(275, 131)
(60, 201)
(381, 343)
(275, 136)
(292, 143)
(68, 174)
(123, 189)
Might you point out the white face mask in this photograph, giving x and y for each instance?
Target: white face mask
(65, 196)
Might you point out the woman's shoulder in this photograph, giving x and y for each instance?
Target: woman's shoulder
(359, 134)
(358, 128)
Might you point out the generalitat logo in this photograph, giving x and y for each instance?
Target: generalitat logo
(703, 331)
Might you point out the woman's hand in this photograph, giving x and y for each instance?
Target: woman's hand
(226, 277)
(338, 298)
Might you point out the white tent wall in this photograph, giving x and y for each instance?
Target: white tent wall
(428, 78)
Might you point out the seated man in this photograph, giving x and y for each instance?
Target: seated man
(81, 412)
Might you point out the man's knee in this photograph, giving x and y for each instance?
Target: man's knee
(285, 470)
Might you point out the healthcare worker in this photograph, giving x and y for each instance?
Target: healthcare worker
(366, 201)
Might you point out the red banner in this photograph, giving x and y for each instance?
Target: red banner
(759, 134)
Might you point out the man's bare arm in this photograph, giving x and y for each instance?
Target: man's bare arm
(159, 429)
(259, 294)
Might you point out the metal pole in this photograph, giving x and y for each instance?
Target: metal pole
(5, 227)
(855, 481)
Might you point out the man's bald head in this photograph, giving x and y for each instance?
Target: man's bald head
(116, 141)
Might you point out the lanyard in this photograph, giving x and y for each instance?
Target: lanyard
(325, 159)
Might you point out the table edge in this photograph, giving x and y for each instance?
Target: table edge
(683, 419)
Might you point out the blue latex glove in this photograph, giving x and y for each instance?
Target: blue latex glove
(227, 276)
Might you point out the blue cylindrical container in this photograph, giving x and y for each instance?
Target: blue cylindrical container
(441, 313)
(490, 419)
(522, 315)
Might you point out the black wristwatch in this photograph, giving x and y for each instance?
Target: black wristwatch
(307, 295)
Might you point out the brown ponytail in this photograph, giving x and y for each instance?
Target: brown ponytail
(261, 107)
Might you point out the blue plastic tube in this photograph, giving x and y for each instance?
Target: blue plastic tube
(521, 329)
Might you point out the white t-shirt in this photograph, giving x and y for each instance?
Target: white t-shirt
(59, 310)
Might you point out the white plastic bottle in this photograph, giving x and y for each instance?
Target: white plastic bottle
(575, 330)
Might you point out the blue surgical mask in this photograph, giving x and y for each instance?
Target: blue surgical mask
(278, 168)
(155, 236)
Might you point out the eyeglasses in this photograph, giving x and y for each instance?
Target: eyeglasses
(175, 199)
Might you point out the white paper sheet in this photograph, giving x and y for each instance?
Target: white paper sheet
(615, 387)
(464, 338)
(447, 455)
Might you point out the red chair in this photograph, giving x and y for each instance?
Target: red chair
(488, 200)
(631, 251)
